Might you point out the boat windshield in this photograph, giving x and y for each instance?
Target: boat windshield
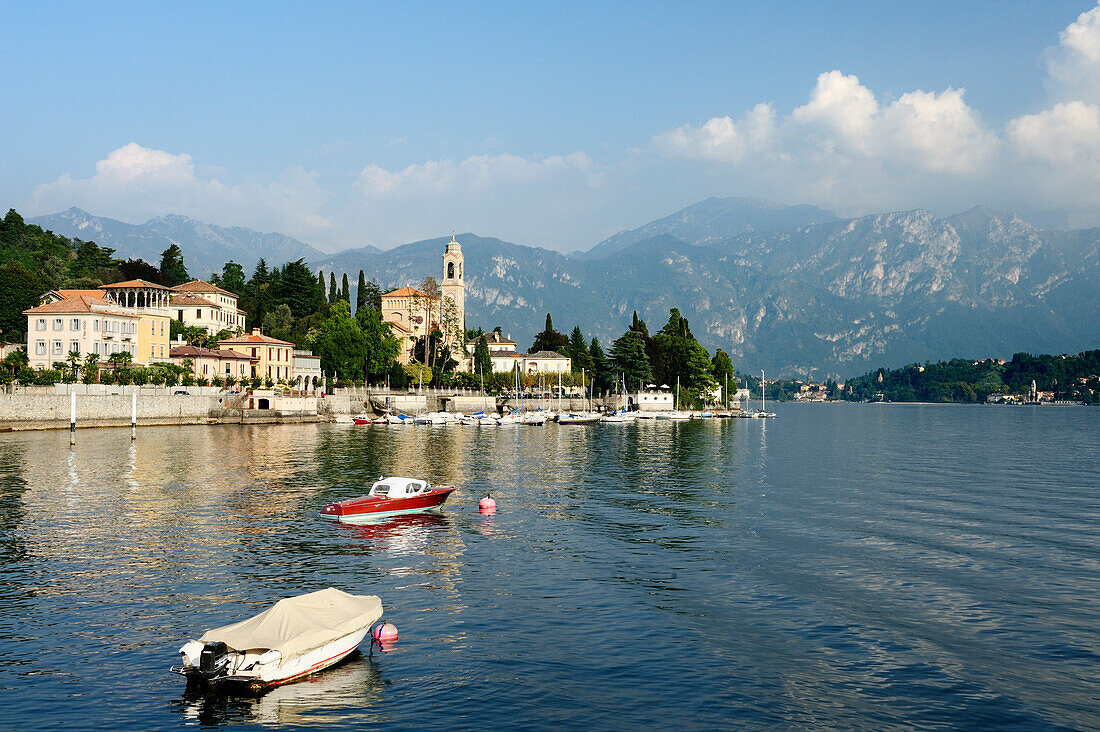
(380, 489)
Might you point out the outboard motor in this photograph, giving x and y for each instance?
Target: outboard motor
(214, 660)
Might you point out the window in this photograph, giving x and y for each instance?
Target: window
(57, 348)
(450, 270)
(40, 348)
(153, 329)
(162, 350)
(198, 313)
(152, 351)
(74, 324)
(74, 346)
(162, 329)
(40, 324)
(180, 313)
(58, 324)
(95, 325)
(205, 368)
(95, 347)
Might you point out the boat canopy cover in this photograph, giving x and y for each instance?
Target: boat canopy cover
(297, 625)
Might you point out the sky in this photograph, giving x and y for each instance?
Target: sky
(546, 124)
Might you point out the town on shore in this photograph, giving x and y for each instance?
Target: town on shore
(75, 314)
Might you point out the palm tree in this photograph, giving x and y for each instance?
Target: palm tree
(74, 364)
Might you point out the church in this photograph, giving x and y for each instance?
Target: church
(413, 314)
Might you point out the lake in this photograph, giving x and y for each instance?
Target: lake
(843, 566)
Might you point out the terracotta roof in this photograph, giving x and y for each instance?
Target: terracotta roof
(409, 292)
(255, 338)
(80, 304)
(191, 301)
(132, 284)
(201, 286)
(193, 351)
(77, 293)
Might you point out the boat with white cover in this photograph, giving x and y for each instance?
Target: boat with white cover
(295, 637)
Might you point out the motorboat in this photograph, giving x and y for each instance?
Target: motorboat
(363, 419)
(398, 419)
(389, 497)
(295, 637)
(619, 417)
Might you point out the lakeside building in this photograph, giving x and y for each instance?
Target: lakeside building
(308, 367)
(414, 314)
(149, 300)
(270, 357)
(80, 324)
(200, 304)
(502, 352)
(209, 363)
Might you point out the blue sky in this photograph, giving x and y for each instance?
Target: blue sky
(558, 124)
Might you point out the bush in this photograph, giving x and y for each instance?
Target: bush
(48, 377)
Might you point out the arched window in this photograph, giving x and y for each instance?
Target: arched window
(450, 270)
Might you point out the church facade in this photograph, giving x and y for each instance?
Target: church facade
(414, 314)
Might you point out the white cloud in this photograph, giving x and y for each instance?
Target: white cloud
(721, 138)
(135, 183)
(470, 176)
(1074, 65)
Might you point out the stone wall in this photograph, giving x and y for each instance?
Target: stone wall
(43, 408)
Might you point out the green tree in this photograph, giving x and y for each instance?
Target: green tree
(321, 286)
(361, 293)
(278, 322)
(296, 289)
(333, 293)
(232, 278)
(381, 348)
(19, 290)
(90, 370)
(172, 269)
(628, 353)
(680, 357)
(373, 298)
(603, 373)
(483, 360)
(345, 293)
(550, 339)
(578, 352)
(340, 343)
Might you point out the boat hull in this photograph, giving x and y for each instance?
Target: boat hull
(368, 508)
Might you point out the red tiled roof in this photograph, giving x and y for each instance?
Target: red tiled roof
(201, 286)
(255, 338)
(134, 284)
(410, 292)
(191, 301)
(77, 293)
(193, 351)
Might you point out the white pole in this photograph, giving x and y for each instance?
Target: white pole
(133, 417)
(72, 418)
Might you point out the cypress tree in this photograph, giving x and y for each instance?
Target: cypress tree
(333, 293)
(345, 293)
(361, 292)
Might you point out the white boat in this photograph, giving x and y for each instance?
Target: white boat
(398, 419)
(343, 419)
(295, 637)
(618, 417)
(578, 418)
(678, 415)
(763, 413)
(534, 418)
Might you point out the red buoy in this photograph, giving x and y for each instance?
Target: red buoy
(487, 504)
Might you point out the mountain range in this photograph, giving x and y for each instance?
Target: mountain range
(791, 289)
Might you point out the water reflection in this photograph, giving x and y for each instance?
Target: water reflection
(338, 694)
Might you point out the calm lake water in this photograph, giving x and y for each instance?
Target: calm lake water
(843, 566)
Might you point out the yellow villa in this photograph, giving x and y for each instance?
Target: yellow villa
(271, 357)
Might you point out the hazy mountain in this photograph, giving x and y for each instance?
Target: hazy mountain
(834, 298)
(713, 220)
(205, 247)
(827, 298)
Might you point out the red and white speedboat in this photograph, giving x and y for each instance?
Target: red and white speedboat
(389, 497)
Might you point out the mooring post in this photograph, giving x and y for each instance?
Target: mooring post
(72, 417)
(133, 417)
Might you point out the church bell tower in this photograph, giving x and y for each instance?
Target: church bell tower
(453, 286)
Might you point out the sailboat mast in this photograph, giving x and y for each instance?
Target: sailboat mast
(762, 390)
